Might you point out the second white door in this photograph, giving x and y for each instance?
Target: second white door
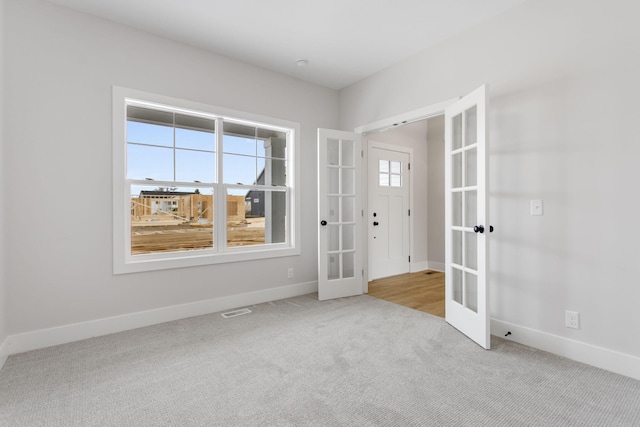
(388, 213)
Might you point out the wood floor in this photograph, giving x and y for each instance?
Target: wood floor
(422, 291)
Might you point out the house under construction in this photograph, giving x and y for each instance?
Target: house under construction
(166, 221)
(157, 207)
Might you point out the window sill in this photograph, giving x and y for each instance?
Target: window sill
(141, 263)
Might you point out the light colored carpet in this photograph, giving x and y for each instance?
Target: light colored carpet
(355, 361)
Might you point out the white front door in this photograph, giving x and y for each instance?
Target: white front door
(467, 221)
(340, 271)
(388, 212)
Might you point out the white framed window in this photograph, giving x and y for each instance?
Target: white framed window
(390, 173)
(196, 184)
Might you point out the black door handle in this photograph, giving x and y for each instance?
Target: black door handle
(491, 229)
(479, 228)
(323, 222)
(375, 223)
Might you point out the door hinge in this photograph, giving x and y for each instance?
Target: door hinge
(363, 272)
(409, 212)
(362, 213)
(362, 153)
(409, 164)
(409, 258)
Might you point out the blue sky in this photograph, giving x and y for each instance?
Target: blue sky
(243, 157)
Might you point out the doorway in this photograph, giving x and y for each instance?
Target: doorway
(422, 285)
(466, 205)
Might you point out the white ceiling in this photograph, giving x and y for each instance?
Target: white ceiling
(342, 40)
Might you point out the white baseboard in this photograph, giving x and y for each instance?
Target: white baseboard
(437, 266)
(417, 266)
(27, 341)
(620, 363)
(603, 358)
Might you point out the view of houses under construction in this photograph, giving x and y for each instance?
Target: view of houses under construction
(167, 146)
(167, 220)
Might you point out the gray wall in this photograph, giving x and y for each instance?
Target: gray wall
(564, 86)
(3, 292)
(435, 191)
(60, 67)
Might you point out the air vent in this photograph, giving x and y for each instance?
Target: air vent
(236, 313)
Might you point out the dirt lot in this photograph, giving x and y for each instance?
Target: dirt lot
(170, 238)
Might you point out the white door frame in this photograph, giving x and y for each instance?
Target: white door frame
(423, 113)
(401, 149)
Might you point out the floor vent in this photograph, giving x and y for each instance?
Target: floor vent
(235, 313)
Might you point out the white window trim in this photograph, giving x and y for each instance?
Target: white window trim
(123, 261)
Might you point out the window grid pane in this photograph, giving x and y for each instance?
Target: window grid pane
(256, 217)
(171, 219)
(157, 141)
(390, 173)
(254, 156)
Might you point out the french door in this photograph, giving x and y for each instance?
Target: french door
(467, 225)
(340, 271)
(466, 222)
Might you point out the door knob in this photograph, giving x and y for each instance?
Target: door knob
(491, 229)
(479, 228)
(323, 222)
(375, 223)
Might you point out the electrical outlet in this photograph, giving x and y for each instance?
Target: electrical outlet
(290, 273)
(572, 319)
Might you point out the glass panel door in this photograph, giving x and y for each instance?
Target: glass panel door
(339, 258)
(340, 196)
(466, 217)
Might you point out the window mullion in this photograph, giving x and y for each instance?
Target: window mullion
(219, 194)
(175, 166)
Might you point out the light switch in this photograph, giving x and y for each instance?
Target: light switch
(536, 208)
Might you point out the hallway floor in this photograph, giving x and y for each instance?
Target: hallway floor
(422, 291)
